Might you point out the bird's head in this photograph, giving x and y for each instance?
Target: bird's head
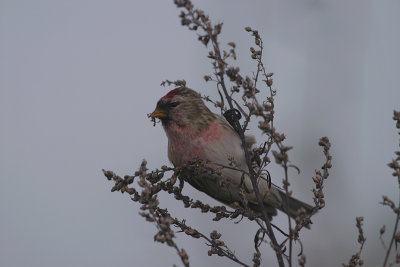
(182, 107)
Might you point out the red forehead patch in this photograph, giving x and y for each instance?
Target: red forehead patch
(171, 93)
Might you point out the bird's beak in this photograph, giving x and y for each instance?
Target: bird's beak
(158, 113)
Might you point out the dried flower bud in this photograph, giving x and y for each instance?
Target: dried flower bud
(302, 260)
(219, 243)
(397, 237)
(130, 191)
(164, 167)
(232, 44)
(382, 230)
(108, 174)
(215, 235)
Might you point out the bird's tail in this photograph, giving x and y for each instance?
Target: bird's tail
(274, 198)
(293, 205)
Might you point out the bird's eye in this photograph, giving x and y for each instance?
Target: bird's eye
(174, 104)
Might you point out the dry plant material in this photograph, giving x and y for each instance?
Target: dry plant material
(395, 238)
(242, 98)
(355, 259)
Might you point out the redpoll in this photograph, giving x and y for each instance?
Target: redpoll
(195, 133)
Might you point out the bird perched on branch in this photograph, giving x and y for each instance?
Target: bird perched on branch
(195, 133)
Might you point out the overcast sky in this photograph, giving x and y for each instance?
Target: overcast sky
(77, 79)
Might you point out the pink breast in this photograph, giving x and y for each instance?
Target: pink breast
(211, 133)
(194, 147)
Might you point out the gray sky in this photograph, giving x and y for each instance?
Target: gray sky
(78, 77)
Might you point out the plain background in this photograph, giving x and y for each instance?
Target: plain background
(77, 79)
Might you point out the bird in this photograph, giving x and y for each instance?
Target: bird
(195, 133)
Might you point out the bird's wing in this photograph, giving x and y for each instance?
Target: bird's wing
(227, 151)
